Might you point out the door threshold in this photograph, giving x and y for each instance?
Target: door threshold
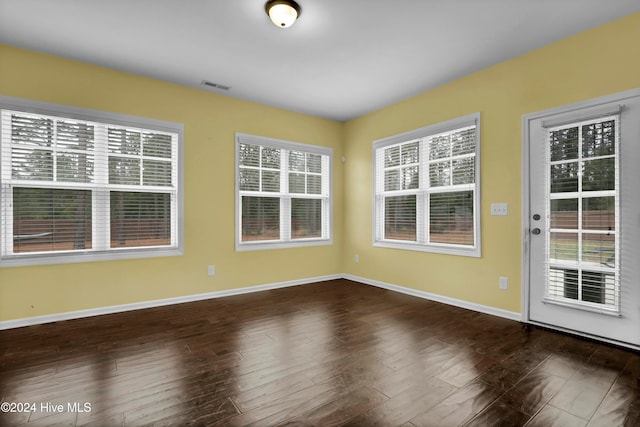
(589, 337)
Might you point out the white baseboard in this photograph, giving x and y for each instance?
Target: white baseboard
(439, 298)
(37, 320)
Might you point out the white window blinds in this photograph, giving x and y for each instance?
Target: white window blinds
(73, 187)
(427, 189)
(284, 193)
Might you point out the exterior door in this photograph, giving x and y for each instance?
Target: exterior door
(583, 218)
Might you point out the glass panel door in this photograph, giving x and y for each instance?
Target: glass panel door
(582, 241)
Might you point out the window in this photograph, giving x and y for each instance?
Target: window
(283, 193)
(83, 185)
(427, 186)
(583, 206)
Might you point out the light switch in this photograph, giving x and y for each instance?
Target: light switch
(499, 209)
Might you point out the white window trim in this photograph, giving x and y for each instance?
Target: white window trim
(289, 243)
(85, 114)
(418, 134)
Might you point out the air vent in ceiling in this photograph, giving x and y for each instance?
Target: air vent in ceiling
(215, 85)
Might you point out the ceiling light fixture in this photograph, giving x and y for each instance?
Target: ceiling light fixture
(283, 13)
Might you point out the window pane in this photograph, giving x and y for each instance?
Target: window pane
(314, 163)
(156, 172)
(270, 158)
(314, 184)
(156, 145)
(249, 155)
(564, 144)
(124, 171)
(260, 218)
(296, 183)
(568, 281)
(140, 219)
(74, 167)
(594, 286)
(47, 220)
(598, 139)
(451, 218)
(599, 213)
(76, 135)
(123, 141)
(249, 179)
(439, 147)
(440, 174)
(563, 247)
(599, 249)
(464, 171)
(410, 153)
(599, 174)
(392, 156)
(564, 177)
(306, 218)
(30, 164)
(564, 214)
(270, 181)
(296, 161)
(400, 218)
(410, 178)
(463, 142)
(555, 286)
(392, 180)
(33, 131)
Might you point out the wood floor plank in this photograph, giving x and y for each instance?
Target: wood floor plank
(406, 405)
(345, 406)
(459, 407)
(533, 392)
(499, 414)
(550, 416)
(584, 391)
(279, 388)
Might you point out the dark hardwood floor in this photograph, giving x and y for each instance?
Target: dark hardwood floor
(325, 354)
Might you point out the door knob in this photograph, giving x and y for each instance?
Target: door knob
(535, 231)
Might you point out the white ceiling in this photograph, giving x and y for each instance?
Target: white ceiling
(342, 59)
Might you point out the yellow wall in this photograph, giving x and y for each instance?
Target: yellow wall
(598, 62)
(210, 122)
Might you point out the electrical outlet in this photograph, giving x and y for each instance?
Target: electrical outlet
(211, 270)
(356, 258)
(504, 283)
(499, 209)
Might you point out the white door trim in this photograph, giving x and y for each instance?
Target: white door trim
(526, 214)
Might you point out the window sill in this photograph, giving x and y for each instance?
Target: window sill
(257, 246)
(87, 256)
(439, 249)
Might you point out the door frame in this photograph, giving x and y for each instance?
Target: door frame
(526, 202)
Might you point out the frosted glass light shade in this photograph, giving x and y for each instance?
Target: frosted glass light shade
(282, 13)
